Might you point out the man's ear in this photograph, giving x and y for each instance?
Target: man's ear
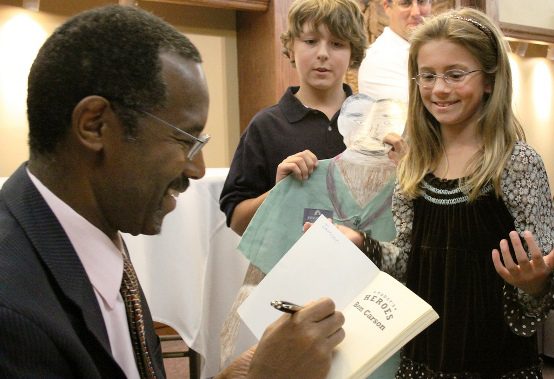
(89, 120)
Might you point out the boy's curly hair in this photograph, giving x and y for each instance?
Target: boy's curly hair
(343, 18)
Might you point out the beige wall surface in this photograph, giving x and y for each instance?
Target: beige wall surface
(535, 13)
(22, 33)
(533, 104)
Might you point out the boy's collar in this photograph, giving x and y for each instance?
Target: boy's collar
(294, 110)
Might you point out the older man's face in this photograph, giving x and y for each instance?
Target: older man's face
(144, 175)
(405, 15)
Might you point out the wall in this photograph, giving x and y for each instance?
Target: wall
(533, 104)
(536, 13)
(22, 33)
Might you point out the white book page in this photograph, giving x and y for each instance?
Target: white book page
(322, 263)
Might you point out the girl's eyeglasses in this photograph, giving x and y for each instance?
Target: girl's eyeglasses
(451, 77)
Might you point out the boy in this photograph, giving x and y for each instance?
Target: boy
(324, 38)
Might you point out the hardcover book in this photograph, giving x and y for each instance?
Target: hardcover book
(381, 314)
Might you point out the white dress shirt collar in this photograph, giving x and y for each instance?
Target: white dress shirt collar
(103, 264)
(100, 257)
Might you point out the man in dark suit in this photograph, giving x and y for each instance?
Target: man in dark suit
(117, 104)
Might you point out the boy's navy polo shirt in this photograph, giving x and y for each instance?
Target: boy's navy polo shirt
(274, 134)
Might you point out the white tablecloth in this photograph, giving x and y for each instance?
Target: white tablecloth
(191, 272)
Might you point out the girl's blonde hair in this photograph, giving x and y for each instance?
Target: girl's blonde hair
(343, 18)
(497, 125)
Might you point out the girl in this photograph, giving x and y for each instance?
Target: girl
(467, 180)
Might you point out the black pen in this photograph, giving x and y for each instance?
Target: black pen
(285, 306)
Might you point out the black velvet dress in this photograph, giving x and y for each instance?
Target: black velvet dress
(450, 266)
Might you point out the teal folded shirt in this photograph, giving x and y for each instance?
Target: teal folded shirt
(277, 224)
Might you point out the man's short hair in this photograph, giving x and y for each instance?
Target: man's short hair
(113, 52)
(343, 18)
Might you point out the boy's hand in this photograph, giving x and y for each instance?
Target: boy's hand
(299, 165)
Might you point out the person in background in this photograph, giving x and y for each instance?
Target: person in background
(117, 103)
(467, 185)
(323, 39)
(383, 73)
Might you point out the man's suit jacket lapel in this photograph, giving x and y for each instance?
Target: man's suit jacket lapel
(57, 253)
(55, 250)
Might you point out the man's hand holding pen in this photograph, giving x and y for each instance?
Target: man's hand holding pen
(299, 344)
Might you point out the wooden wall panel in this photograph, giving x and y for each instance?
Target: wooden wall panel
(264, 72)
(250, 5)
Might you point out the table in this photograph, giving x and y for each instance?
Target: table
(192, 271)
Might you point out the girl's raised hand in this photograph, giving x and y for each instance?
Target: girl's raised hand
(529, 275)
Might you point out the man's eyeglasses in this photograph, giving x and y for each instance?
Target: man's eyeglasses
(199, 141)
(409, 3)
(451, 77)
